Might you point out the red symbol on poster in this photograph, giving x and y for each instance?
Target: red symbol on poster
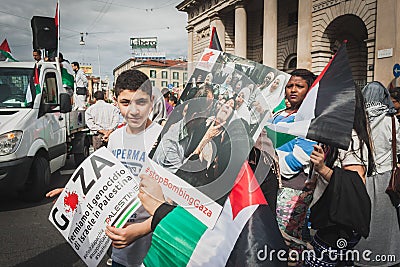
(71, 201)
(207, 56)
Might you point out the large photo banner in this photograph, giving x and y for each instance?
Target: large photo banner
(208, 136)
(100, 192)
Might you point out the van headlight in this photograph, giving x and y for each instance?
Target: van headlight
(9, 142)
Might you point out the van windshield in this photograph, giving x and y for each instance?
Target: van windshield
(14, 85)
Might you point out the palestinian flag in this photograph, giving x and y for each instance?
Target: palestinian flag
(67, 75)
(214, 42)
(56, 21)
(6, 51)
(327, 112)
(28, 95)
(244, 234)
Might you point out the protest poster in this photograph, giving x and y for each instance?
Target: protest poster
(100, 192)
(183, 194)
(222, 110)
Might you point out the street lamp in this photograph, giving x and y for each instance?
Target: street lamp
(82, 42)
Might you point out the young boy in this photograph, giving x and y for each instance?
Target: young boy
(130, 144)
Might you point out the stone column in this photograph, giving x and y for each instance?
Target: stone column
(190, 68)
(240, 30)
(304, 34)
(215, 21)
(386, 36)
(270, 33)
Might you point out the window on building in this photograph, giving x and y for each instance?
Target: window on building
(292, 18)
(175, 75)
(153, 74)
(153, 83)
(164, 74)
(176, 84)
(290, 63)
(185, 76)
(164, 83)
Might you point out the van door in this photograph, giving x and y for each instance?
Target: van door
(55, 132)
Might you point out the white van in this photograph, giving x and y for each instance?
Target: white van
(36, 137)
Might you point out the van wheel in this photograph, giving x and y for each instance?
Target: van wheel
(38, 180)
(79, 157)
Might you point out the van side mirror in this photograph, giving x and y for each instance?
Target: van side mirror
(65, 103)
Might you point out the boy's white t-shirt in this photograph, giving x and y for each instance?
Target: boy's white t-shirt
(132, 150)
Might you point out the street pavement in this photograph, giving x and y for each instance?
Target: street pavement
(27, 238)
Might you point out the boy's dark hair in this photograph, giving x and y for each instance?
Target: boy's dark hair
(307, 75)
(75, 64)
(133, 80)
(99, 95)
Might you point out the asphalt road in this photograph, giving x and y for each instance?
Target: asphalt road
(27, 238)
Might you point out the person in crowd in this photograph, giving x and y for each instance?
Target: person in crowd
(268, 99)
(208, 82)
(67, 75)
(395, 97)
(134, 95)
(215, 128)
(226, 87)
(272, 93)
(81, 83)
(102, 119)
(384, 235)
(242, 99)
(166, 93)
(158, 113)
(267, 80)
(238, 86)
(193, 87)
(340, 190)
(173, 101)
(183, 136)
(294, 161)
(219, 152)
(135, 101)
(37, 55)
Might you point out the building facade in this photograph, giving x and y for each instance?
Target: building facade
(286, 34)
(162, 73)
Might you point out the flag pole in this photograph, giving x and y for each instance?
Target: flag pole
(58, 27)
(311, 179)
(57, 20)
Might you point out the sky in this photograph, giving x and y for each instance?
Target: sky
(109, 25)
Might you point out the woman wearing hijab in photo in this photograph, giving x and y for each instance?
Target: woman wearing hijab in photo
(267, 81)
(226, 87)
(238, 86)
(384, 235)
(242, 99)
(268, 99)
(219, 155)
(274, 93)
